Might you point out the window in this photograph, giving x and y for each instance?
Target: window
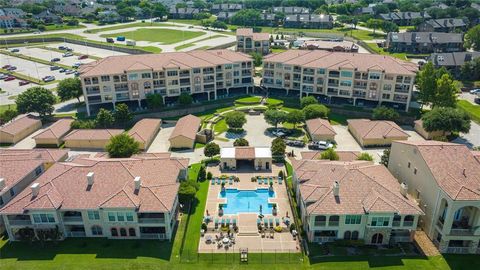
(114, 231)
(43, 218)
(172, 73)
(105, 78)
(97, 230)
(354, 235)
(123, 232)
(353, 219)
(320, 220)
(380, 221)
(120, 216)
(111, 216)
(346, 74)
(321, 71)
(129, 217)
(333, 220)
(106, 88)
(132, 232)
(387, 87)
(147, 85)
(385, 96)
(347, 235)
(93, 215)
(12, 192)
(133, 76)
(346, 83)
(374, 76)
(1, 200)
(197, 70)
(146, 75)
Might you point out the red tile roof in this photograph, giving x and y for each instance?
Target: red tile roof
(13, 171)
(56, 130)
(320, 126)
(380, 129)
(343, 155)
(255, 36)
(186, 126)
(20, 123)
(144, 129)
(92, 134)
(244, 152)
(43, 154)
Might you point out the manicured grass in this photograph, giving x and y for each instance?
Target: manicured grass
(278, 50)
(53, 27)
(151, 49)
(220, 127)
(199, 145)
(203, 48)
(471, 109)
(186, 45)
(210, 37)
(5, 107)
(130, 25)
(274, 102)
(165, 36)
(192, 22)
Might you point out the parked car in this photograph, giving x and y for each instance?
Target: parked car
(295, 143)
(120, 38)
(3, 76)
(62, 70)
(15, 50)
(110, 40)
(69, 71)
(56, 59)
(37, 32)
(9, 78)
(62, 48)
(54, 68)
(82, 57)
(48, 78)
(77, 74)
(68, 49)
(76, 65)
(6, 66)
(10, 68)
(20, 83)
(67, 54)
(475, 91)
(131, 43)
(320, 145)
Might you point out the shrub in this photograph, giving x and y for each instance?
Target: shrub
(365, 156)
(240, 142)
(235, 119)
(385, 113)
(211, 149)
(122, 146)
(329, 154)
(209, 176)
(313, 111)
(305, 101)
(202, 174)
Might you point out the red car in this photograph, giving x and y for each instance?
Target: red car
(23, 83)
(82, 57)
(9, 78)
(6, 66)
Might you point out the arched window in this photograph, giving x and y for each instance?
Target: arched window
(347, 235)
(132, 232)
(377, 238)
(96, 230)
(114, 231)
(123, 232)
(355, 235)
(134, 86)
(397, 219)
(147, 85)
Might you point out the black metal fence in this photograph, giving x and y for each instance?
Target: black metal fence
(232, 256)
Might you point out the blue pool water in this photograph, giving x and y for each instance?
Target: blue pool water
(247, 201)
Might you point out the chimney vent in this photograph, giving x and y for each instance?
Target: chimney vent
(336, 188)
(35, 189)
(2, 183)
(404, 189)
(137, 182)
(90, 177)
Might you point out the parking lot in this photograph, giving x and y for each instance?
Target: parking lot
(102, 53)
(12, 89)
(48, 55)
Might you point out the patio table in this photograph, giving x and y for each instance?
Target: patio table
(226, 240)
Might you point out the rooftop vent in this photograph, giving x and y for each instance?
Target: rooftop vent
(35, 189)
(90, 177)
(336, 188)
(137, 182)
(404, 189)
(2, 183)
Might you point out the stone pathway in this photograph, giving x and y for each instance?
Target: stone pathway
(425, 244)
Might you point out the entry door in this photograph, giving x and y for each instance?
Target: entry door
(377, 238)
(267, 165)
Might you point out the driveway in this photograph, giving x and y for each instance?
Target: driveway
(472, 138)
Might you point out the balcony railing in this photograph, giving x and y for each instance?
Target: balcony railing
(458, 250)
(396, 223)
(159, 236)
(20, 222)
(151, 220)
(93, 92)
(401, 239)
(320, 223)
(72, 219)
(440, 224)
(333, 223)
(324, 239)
(76, 234)
(407, 223)
(461, 232)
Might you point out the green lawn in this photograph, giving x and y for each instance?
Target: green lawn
(220, 127)
(130, 25)
(471, 109)
(165, 36)
(183, 46)
(7, 106)
(249, 100)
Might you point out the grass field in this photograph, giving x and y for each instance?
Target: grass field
(183, 46)
(123, 26)
(471, 109)
(165, 36)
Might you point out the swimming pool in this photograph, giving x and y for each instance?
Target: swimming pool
(247, 201)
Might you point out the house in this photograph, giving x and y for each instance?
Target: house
(90, 138)
(342, 155)
(183, 13)
(449, 25)
(375, 133)
(404, 18)
(245, 157)
(248, 41)
(47, 155)
(47, 17)
(424, 42)
(131, 198)
(19, 128)
(108, 16)
(225, 15)
(308, 21)
(144, 131)
(364, 11)
(15, 12)
(444, 179)
(53, 135)
(453, 61)
(330, 45)
(185, 132)
(291, 10)
(320, 130)
(353, 201)
(216, 8)
(428, 135)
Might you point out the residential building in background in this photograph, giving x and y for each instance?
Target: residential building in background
(128, 79)
(453, 61)
(183, 13)
(19, 128)
(444, 179)
(449, 25)
(134, 198)
(291, 10)
(341, 78)
(376, 133)
(323, 21)
(404, 18)
(424, 42)
(353, 201)
(248, 41)
(216, 8)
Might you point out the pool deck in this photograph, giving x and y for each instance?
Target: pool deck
(248, 235)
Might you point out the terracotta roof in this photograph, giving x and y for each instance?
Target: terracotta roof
(380, 129)
(65, 186)
(244, 152)
(186, 126)
(13, 171)
(144, 129)
(455, 168)
(179, 60)
(343, 155)
(363, 188)
(43, 154)
(20, 123)
(337, 60)
(320, 126)
(56, 130)
(92, 134)
(255, 36)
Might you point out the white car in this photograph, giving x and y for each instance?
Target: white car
(3, 76)
(320, 145)
(48, 78)
(69, 71)
(475, 91)
(67, 54)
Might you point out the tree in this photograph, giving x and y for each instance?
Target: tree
(154, 101)
(274, 117)
(246, 17)
(295, 117)
(159, 10)
(257, 58)
(36, 99)
(202, 173)
(385, 157)
(427, 83)
(374, 24)
(122, 146)
(211, 149)
(313, 111)
(472, 38)
(186, 191)
(185, 99)
(446, 119)
(278, 147)
(235, 119)
(240, 142)
(104, 119)
(388, 27)
(446, 94)
(69, 88)
(308, 100)
(365, 156)
(219, 25)
(385, 113)
(329, 154)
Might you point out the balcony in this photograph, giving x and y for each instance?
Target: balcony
(396, 223)
(19, 222)
(440, 223)
(333, 223)
(76, 234)
(401, 239)
(320, 223)
(159, 236)
(306, 72)
(151, 220)
(333, 84)
(121, 89)
(462, 232)
(208, 81)
(458, 250)
(407, 223)
(324, 239)
(93, 92)
(72, 219)
(363, 87)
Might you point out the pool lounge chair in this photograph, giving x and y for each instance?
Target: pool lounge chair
(223, 221)
(280, 180)
(258, 221)
(265, 222)
(265, 181)
(234, 221)
(270, 221)
(223, 181)
(213, 181)
(227, 222)
(270, 179)
(259, 180)
(218, 181)
(230, 181)
(216, 223)
(277, 222)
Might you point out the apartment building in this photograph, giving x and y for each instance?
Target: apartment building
(453, 61)
(449, 25)
(424, 42)
(444, 179)
(341, 78)
(129, 79)
(248, 41)
(404, 18)
(355, 200)
(133, 198)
